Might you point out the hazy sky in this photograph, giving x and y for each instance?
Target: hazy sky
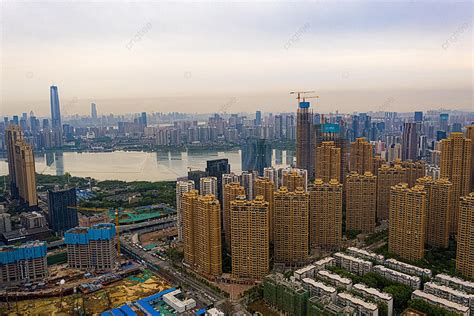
(215, 56)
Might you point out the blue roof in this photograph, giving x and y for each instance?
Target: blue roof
(202, 311)
(304, 105)
(128, 311)
(31, 250)
(145, 303)
(82, 235)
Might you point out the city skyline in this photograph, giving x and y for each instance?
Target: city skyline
(229, 57)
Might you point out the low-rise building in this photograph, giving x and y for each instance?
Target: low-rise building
(441, 302)
(408, 268)
(455, 282)
(324, 263)
(31, 220)
(362, 307)
(375, 295)
(180, 306)
(365, 254)
(334, 279)
(353, 264)
(412, 281)
(23, 263)
(319, 289)
(305, 272)
(450, 294)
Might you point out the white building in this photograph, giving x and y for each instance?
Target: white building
(454, 282)
(412, 281)
(353, 264)
(305, 272)
(376, 295)
(319, 289)
(441, 302)
(363, 307)
(214, 312)
(367, 255)
(408, 268)
(208, 185)
(324, 263)
(334, 279)
(178, 305)
(450, 294)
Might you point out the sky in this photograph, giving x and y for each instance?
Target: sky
(202, 57)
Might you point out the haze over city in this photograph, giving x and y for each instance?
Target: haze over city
(216, 57)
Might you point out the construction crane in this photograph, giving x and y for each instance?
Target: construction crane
(103, 210)
(299, 93)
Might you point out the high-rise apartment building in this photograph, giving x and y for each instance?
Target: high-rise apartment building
(410, 141)
(470, 135)
(21, 167)
(250, 238)
(465, 242)
(378, 161)
(414, 170)
(293, 178)
(181, 188)
(256, 155)
(208, 185)
(455, 164)
(62, 212)
(202, 233)
(231, 192)
(291, 226)
(328, 163)
(246, 179)
(438, 202)
(387, 177)
(361, 202)
(56, 117)
(406, 232)
(24, 263)
(305, 148)
(266, 188)
(361, 156)
(325, 214)
(92, 248)
(216, 168)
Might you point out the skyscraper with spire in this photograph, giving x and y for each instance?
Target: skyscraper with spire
(56, 117)
(305, 148)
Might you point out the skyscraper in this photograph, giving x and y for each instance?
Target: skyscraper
(181, 188)
(361, 202)
(56, 117)
(328, 164)
(455, 164)
(413, 169)
(61, 216)
(470, 135)
(406, 232)
(202, 233)
(438, 202)
(409, 141)
(386, 178)
(361, 156)
(325, 214)
(12, 135)
(208, 185)
(418, 116)
(258, 118)
(293, 178)
(266, 188)
(216, 168)
(231, 192)
(305, 147)
(291, 226)
(256, 155)
(25, 177)
(250, 238)
(246, 179)
(465, 244)
(93, 111)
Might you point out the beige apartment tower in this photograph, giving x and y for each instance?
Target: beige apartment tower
(470, 135)
(387, 177)
(291, 226)
(202, 233)
(231, 191)
(414, 170)
(328, 164)
(181, 188)
(377, 162)
(438, 202)
(293, 178)
(250, 238)
(325, 214)
(361, 156)
(465, 245)
(208, 185)
(406, 232)
(266, 188)
(361, 202)
(455, 164)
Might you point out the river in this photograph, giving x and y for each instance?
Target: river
(132, 165)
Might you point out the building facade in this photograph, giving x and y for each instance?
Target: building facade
(328, 163)
(231, 192)
(266, 188)
(387, 177)
(62, 211)
(465, 244)
(361, 156)
(361, 202)
(181, 188)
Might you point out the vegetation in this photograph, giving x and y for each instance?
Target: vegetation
(377, 236)
(352, 234)
(429, 309)
(174, 254)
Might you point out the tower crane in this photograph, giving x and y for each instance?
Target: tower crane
(103, 210)
(300, 93)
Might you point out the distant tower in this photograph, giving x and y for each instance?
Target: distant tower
(93, 111)
(250, 238)
(325, 214)
(409, 141)
(456, 155)
(465, 244)
(216, 168)
(361, 202)
(305, 138)
(56, 117)
(256, 155)
(12, 135)
(328, 164)
(258, 118)
(291, 226)
(208, 185)
(361, 156)
(406, 232)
